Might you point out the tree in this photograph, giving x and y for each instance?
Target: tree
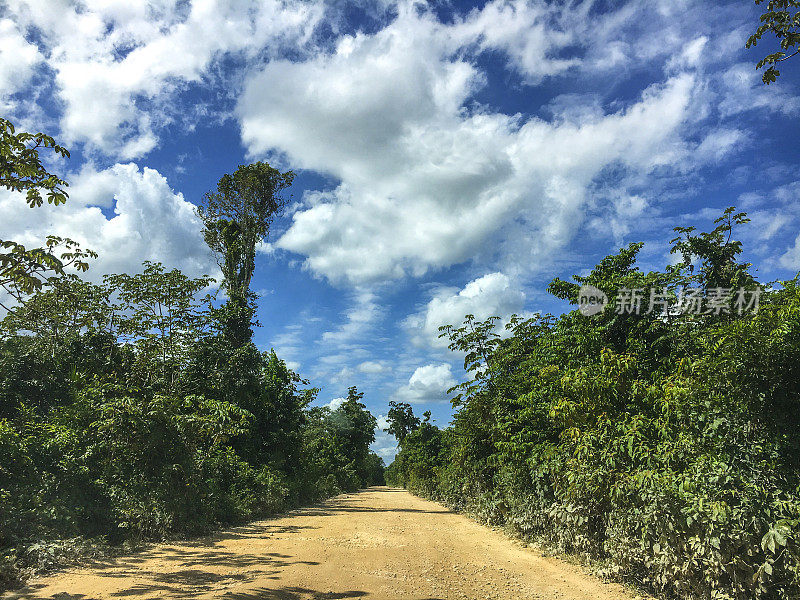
(785, 25)
(716, 252)
(21, 168)
(163, 317)
(69, 307)
(236, 218)
(24, 271)
(401, 420)
(362, 424)
(355, 431)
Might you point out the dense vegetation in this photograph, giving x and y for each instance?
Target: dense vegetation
(135, 408)
(664, 444)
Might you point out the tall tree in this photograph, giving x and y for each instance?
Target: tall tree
(236, 218)
(161, 316)
(401, 420)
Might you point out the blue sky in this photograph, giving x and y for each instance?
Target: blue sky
(450, 157)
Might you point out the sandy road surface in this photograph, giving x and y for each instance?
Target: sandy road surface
(379, 543)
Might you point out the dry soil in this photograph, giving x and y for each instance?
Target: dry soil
(374, 544)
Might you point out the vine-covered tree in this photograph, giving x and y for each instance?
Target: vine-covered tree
(236, 218)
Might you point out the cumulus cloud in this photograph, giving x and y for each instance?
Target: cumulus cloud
(426, 180)
(427, 384)
(336, 403)
(117, 63)
(293, 365)
(17, 60)
(493, 295)
(144, 219)
(531, 35)
(371, 367)
(428, 177)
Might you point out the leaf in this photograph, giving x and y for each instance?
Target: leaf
(773, 539)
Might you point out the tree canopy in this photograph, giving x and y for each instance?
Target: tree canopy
(236, 218)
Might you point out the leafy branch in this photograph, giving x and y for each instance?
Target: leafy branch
(779, 20)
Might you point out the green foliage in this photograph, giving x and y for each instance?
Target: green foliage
(137, 409)
(159, 313)
(236, 217)
(125, 413)
(24, 271)
(665, 445)
(21, 168)
(780, 19)
(401, 420)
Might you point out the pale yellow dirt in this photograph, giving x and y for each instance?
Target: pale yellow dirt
(377, 543)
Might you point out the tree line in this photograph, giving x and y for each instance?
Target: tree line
(663, 444)
(138, 407)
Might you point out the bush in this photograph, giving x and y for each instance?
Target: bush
(664, 447)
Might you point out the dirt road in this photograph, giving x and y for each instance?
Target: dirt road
(379, 543)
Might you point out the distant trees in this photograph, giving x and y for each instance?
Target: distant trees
(401, 420)
(357, 431)
(421, 452)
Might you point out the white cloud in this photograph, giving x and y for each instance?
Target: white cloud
(117, 63)
(336, 403)
(293, 365)
(791, 258)
(426, 182)
(718, 144)
(91, 187)
(530, 34)
(372, 367)
(493, 295)
(359, 320)
(626, 208)
(427, 384)
(741, 90)
(288, 343)
(385, 444)
(18, 58)
(149, 222)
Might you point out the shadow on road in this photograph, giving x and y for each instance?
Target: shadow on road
(189, 582)
(294, 593)
(206, 567)
(281, 593)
